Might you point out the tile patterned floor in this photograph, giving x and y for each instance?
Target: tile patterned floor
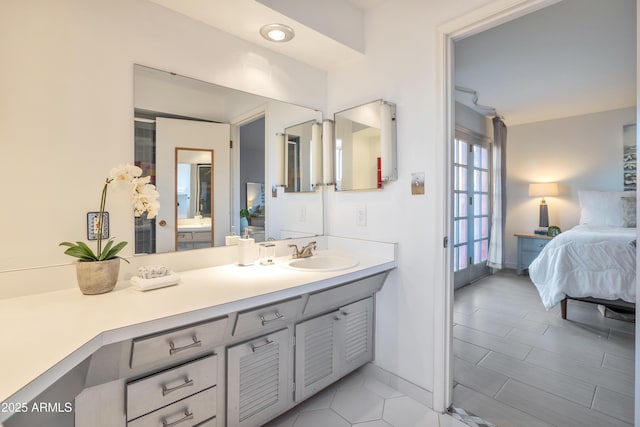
(516, 364)
(361, 401)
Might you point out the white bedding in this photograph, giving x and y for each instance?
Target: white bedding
(587, 261)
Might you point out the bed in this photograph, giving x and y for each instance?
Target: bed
(594, 261)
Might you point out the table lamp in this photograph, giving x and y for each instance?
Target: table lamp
(543, 189)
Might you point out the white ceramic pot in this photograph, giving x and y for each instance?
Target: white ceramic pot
(97, 277)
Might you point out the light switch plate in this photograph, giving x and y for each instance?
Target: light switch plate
(361, 215)
(417, 183)
(92, 225)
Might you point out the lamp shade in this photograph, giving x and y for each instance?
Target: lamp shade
(543, 189)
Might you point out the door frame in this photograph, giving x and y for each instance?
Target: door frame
(491, 15)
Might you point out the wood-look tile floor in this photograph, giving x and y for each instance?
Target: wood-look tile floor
(516, 364)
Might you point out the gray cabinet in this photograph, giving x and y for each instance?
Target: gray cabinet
(332, 345)
(259, 373)
(242, 369)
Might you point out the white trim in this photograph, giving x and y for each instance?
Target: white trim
(481, 19)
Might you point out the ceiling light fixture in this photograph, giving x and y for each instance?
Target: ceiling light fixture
(278, 33)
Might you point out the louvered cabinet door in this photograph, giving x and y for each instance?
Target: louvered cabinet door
(259, 373)
(316, 354)
(356, 335)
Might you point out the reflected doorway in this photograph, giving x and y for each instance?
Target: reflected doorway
(252, 179)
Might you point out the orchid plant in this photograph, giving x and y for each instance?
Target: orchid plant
(144, 198)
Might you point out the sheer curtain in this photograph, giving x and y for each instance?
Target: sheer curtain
(495, 258)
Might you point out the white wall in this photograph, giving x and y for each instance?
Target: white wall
(580, 153)
(67, 106)
(399, 66)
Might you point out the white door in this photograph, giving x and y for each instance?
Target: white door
(175, 133)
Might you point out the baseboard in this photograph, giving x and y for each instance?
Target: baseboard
(405, 387)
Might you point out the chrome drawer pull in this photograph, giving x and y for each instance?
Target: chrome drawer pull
(196, 343)
(187, 383)
(254, 347)
(187, 416)
(266, 322)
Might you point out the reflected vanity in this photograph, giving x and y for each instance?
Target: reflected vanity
(170, 99)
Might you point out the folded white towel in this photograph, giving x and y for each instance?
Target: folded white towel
(153, 271)
(155, 283)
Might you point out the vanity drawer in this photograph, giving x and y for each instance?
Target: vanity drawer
(153, 392)
(260, 318)
(202, 236)
(186, 412)
(177, 343)
(213, 422)
(185, 236)
(329, 299)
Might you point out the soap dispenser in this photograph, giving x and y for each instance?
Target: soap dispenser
(232, 239)
(246, 249)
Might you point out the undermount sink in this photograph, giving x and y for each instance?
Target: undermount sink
(321, 262)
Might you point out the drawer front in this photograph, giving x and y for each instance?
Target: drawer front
(213, 422)
(185, 236)
(202, 236)
(534, 245)
(153, 392)
(186, 412)
(177, 344)
(278, 314)
(331, 298)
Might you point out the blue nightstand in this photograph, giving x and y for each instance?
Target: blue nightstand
(529, 247)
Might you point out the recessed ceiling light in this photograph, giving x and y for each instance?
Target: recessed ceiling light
(277, 33)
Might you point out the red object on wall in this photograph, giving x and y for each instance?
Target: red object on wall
(379, 172)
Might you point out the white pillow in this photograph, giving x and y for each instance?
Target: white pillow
(602, 207)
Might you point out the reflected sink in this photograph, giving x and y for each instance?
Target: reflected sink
(321, 262)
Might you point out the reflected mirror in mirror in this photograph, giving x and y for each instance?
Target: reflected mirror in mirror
(304, 143)
(194, 199)
(172, 111)
(365, 155)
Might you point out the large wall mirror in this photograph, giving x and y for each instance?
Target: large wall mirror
(211, 151)
(365, 146)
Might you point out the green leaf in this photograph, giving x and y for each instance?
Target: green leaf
(112, 252)
(106, 249)
(79, 250)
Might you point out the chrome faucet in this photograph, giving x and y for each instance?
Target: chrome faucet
(305, 252)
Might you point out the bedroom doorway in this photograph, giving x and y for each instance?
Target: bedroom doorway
(541, 338)
(471, 207)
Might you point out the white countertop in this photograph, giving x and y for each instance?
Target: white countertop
(45, 335)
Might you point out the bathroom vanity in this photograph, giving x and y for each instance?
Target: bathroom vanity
(229, 346)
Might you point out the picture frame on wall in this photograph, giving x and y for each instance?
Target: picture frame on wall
(629, 156)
